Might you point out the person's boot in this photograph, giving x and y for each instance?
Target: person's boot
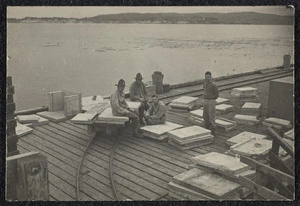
(141, 120)
(213, 131)
(136, 133)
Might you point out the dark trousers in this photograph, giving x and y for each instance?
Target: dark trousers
(155, 121)
(144, 107)
(134, 118)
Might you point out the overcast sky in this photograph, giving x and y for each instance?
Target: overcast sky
(79, 12)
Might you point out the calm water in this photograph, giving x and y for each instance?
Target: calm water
(91, 58)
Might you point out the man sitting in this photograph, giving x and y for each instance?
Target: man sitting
(120, 107)
(157, 113)
(138, 93)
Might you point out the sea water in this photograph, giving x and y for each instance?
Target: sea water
(91, 58)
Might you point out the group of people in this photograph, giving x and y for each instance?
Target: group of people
(152, 111)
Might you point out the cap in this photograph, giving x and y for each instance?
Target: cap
(121, 83)
(139, 76)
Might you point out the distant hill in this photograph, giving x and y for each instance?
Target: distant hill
(170, 18)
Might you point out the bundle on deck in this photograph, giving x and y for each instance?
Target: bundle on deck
(197, 184)
(225, 124)
(159, 132)
(183, 104)
(246, 119)
(277, 123)
(190, 137)
(196, 117)
(250, 108)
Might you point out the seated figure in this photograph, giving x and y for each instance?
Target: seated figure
(157, 113)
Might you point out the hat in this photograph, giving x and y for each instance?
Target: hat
(139, 76)
(121, 83)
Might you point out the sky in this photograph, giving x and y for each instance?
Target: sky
(88, 11)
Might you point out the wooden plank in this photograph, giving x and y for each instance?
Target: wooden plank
(268, 170)
(186, 193)
(277, 163)
(54, 194)
(150, 190)
(188, 133)
(57, 116)
(172, 164)
(55, 101)
(281, 122)
(93, 188)
(211, 185)
(10, 107)
(283, 189)
(184, 100)
(84, 118)
(281, 142)
(72, 157)
(162, 150)
(26, 119)
(90, 101)
(261, 191)
(142, 174)
(191, 145)
(53, 138)
(160, 129)
(22, 130)
(244, 136)
(73, 130)
(197, 113)
(65, 136)
(149, 162)
(222, 162)
(252, 147)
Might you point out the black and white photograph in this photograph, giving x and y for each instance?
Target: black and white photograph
(140, 103)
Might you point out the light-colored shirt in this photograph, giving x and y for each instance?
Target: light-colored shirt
(118, 104)
(158, 111)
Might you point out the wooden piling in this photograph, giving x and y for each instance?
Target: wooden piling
(11, 123)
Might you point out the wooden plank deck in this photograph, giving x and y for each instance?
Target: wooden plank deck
(142, 167)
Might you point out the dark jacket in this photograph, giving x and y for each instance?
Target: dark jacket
(138, 91)
(211, 90)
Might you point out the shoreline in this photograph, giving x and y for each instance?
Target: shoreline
(174, 86)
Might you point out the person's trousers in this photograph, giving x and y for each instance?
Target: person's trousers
(209, 113)
(155, 121)
(144, 107)
(134, 118)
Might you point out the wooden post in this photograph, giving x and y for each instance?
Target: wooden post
(157, 80)
(286, 61)
(27, 177)
(11, 137)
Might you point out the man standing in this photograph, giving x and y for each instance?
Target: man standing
(138, 93)
(120, 107)
(157, 112)
(211, 93)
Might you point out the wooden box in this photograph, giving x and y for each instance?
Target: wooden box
(281, 98)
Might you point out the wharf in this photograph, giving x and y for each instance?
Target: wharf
(142, 167)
